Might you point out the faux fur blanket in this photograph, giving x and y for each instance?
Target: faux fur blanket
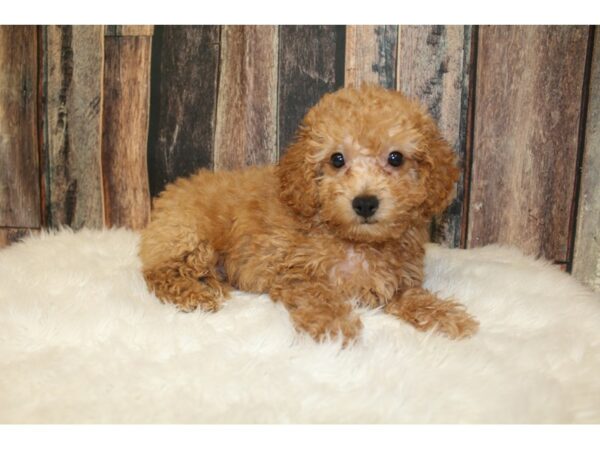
(81, 340)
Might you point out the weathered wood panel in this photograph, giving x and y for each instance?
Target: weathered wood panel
(433, 66)
(11, 235)
(528, 97)
(371, 53)
(586, 259)
(125, 131)
(74, 59)
(184, 88)
(246, 128)
(129, 30)
(19, 158)
(310, 65)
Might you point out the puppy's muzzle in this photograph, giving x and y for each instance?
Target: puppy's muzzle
(365, 205)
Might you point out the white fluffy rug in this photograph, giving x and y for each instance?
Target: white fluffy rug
(81, 340)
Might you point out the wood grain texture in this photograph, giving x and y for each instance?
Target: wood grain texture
(246, 128)
(371, 52)
(528, 97)
(433, 66)
(11, 235)
(310, 65)
(129, 30)
(19, 158)
(74, 59)
(586, 258)
(185, 63)
(125, 131)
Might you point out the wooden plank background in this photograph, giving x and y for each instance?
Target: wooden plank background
(11, 235)
(586, 260)
(19, 156)
(310, 65)
(439, 77)
(526, 136)
(96, 120)
(125, 130)
(371, 55)
(246, 127)
(72, 117)
(185, 63)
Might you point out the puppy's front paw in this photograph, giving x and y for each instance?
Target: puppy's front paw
(321, 328)
(199, 297)
(458, 324)
(449, 318)
(425, 311)
(186, 293)
(370, 298)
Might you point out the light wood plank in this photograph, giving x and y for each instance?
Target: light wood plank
(433, 66)
(586, 259)
(528, 98)
(371, 52)
(19, 157)
(246, 128)
(185, 63)
(125, 131)
(74, 57)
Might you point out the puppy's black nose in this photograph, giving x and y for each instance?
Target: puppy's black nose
(365, 205)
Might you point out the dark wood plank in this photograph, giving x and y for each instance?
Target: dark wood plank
(311, 60)
(184, 89)
(433, 66)
(246, 128)
(19, 158)
(586, 258)
(74, 59)
(371, 52)
(129, 30)
(11, 235)
(125, 131)
(528, 97)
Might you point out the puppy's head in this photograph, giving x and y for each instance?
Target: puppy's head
(369, 163)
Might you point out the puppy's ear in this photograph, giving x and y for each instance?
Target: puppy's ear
(297, 179)
(443, 175)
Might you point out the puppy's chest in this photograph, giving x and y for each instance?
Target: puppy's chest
(356, 270)
(350, 264)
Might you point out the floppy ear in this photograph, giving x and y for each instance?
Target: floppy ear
(297, 179)
(443, 175)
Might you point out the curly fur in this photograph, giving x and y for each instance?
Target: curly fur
(290, 230)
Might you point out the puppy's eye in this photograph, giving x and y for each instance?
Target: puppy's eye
(337, 160)
(395, 159)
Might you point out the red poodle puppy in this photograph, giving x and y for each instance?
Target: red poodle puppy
(341, 219)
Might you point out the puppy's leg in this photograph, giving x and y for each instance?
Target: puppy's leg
(189, 281)
(179, 268)
(425, 311)
(316, 310)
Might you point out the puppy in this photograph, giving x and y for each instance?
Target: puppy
(343, 217)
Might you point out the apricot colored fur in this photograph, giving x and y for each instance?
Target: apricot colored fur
(290, 230)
